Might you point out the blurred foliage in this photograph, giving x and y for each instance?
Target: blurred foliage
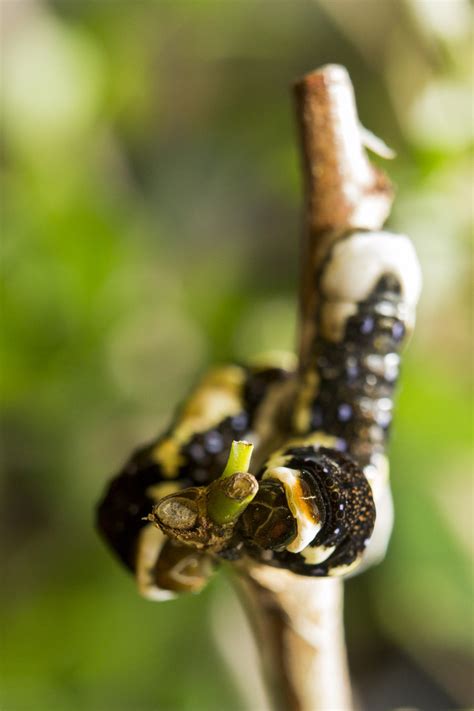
(151, 200)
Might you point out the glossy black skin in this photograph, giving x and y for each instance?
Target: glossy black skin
(347, 385)
(122, 511)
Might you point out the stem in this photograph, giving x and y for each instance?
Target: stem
(342, 189)
(298, 623)
(298, 620)
(228, 497)
(204, 517)
(239, 458)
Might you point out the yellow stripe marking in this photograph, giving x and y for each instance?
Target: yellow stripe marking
(218, 396)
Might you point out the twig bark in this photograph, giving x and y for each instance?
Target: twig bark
(298, 620)
(298, 624)
(342, 189)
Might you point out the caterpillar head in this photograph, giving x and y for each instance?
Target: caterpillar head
(320, 513)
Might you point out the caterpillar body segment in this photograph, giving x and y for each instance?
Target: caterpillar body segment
(332, 508)
(368, 287)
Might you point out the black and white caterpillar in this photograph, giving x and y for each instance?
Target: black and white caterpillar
(320, 430)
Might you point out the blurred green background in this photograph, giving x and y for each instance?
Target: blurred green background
(151, 197)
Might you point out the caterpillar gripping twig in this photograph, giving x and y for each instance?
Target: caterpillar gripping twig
(314, 511)
(368, 287)
(316, 502)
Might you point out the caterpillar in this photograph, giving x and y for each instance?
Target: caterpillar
(315, 509)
